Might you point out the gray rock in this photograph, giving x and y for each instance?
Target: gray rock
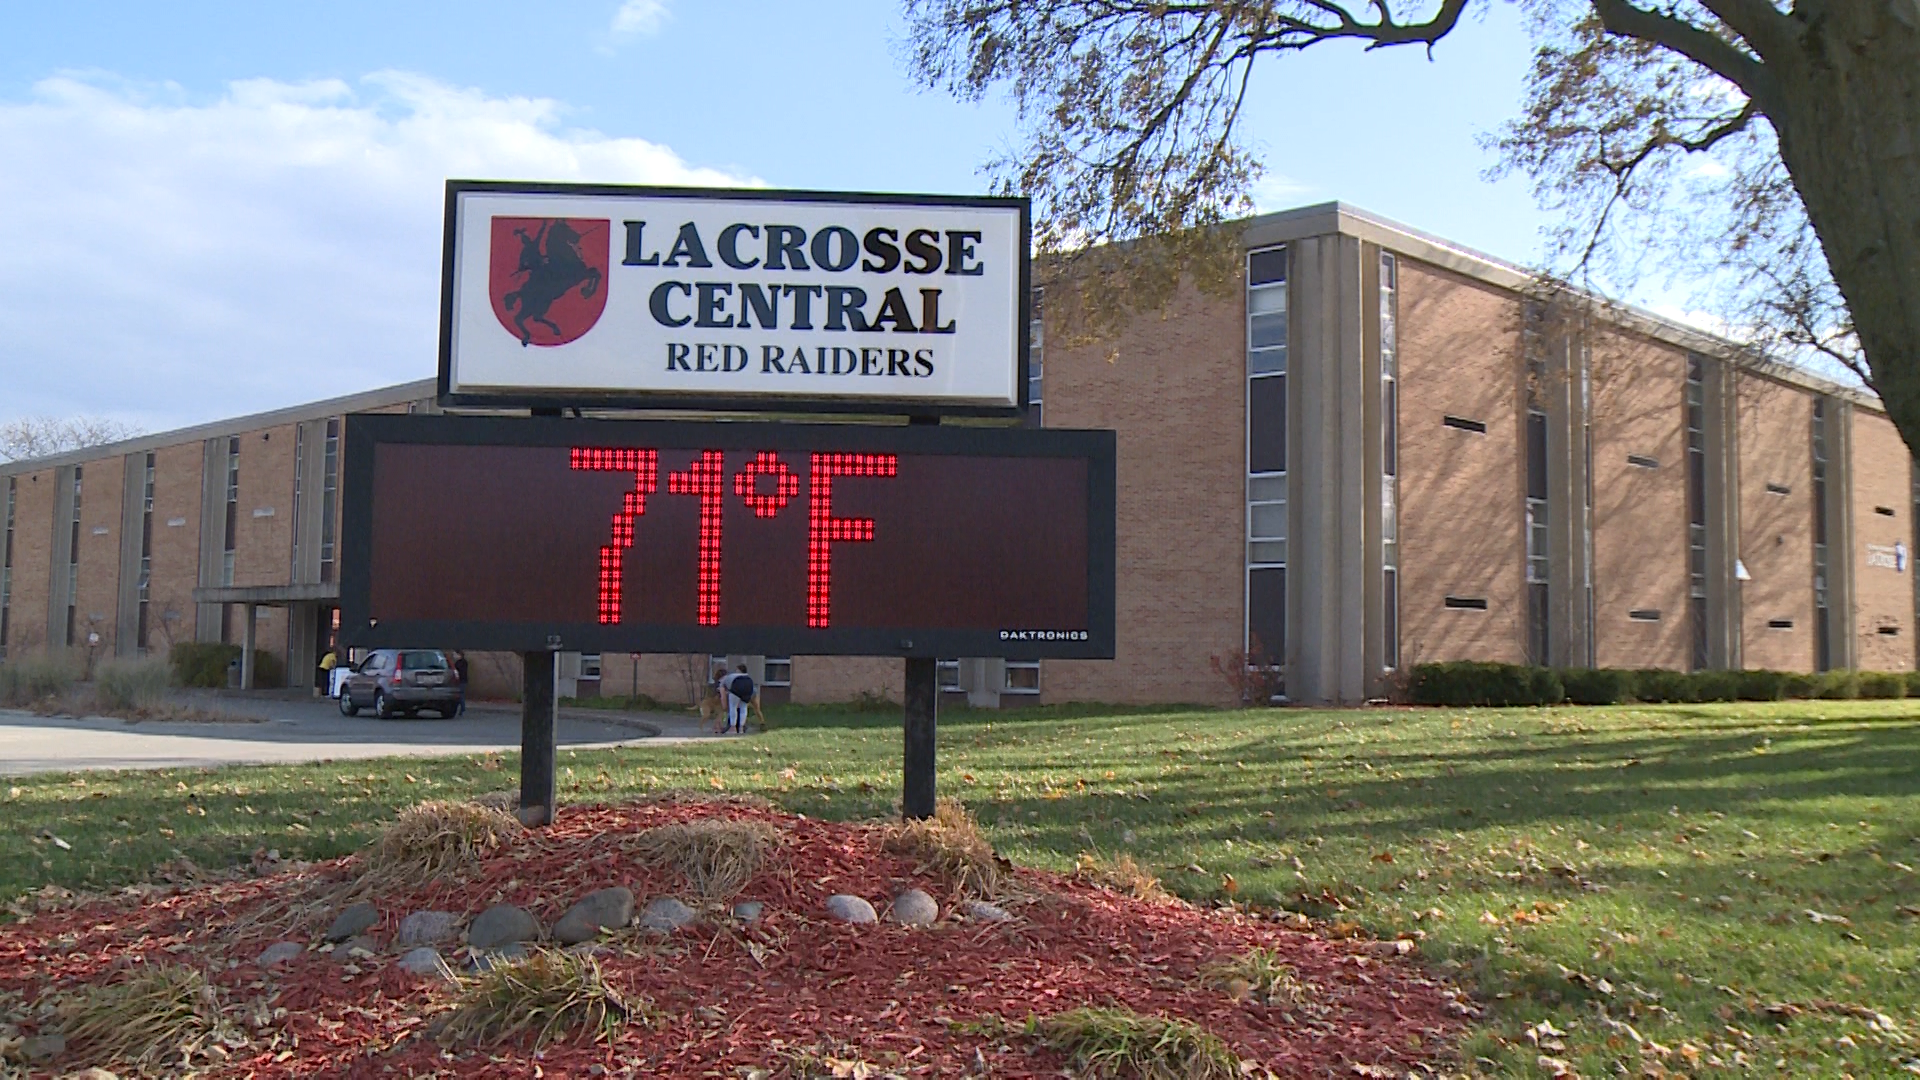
(749, 911)
(502, 924)
(592, 913)
(850, 909)
(44, 1047)
(425, 961)
(352, 949)
(352, 921)
(426, 928)
(915, 908)
(666, 914)
(280, 952)
(513, 953)
(985, 912)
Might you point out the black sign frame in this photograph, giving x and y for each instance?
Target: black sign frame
(364, 431)
(729, 403)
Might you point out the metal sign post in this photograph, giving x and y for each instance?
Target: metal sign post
(922, 705)
(537, 739)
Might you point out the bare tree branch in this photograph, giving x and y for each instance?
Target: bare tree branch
(1709, 50)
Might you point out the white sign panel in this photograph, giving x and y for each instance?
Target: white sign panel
(576, 295)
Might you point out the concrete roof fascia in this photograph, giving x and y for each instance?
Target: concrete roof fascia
(401, 394)
(1325, 219)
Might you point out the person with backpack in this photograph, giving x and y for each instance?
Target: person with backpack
(740, 692)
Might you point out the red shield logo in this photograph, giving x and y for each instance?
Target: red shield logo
(548, 276)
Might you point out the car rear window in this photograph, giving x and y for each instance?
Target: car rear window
(423, 658)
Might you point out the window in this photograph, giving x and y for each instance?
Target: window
(1266, 563)
(590, 667)
(1467, 603)
(1389, 464)
(1822, 646)
(1644, 614)
(299, 467)
(146, 553)
(1023, 677)
(1779, 624)
(73, 565)
(946, 675)
(1036, 357)
(1696, 401)
(779, 671)
(1642, 461)
(329, 489)
(1779, 489)
(1539, 543)
(6, 567)
(233, 510)
(1464, 424)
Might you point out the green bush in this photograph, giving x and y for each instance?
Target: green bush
(1883, 684)
(34, 678)
(1715, 685)
(132, 684)
(1658, 686)
(1800, 685)
(1596, 686)
(1473, 682)
(1763, 685)
(204, 664)
(1837, 685)
(1913, 684)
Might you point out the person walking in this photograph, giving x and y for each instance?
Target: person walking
(460, 672)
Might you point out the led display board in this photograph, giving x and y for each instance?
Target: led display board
(573, 294)
(530, 534)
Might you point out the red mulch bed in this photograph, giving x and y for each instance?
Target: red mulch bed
(894, 996)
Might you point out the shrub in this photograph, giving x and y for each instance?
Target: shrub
(1107, 1044)
(549, 994)
(1252, 674)
(1883, 684)
(1658, 686)
(1837, 685)
(716, 856)
(1761, 685)
(1715, 685)
(35, 678)
(1913, 684)
(1800, 685)
(1596, 686)
(433, 840)
(132, 684)
(1473, 682)
(204, 664)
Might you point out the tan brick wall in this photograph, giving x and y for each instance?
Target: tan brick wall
(1173, 385)
(1640, 514)
(32, 547)
(176, 548)
(97, 599)
(1462, 494)
(829, 679)
(1776, 531)
(1883, 597)
(263, 546)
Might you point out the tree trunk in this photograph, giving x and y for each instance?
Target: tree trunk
(1848, 117)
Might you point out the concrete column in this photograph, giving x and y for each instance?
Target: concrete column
(1840, 534)
(60, 561)
(1326, 459)
(303, 645)
(1718, 380)
(982, 678)
(308, 521)
(126, 623)
(246, 647)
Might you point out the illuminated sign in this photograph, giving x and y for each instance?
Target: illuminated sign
(578, 295)
(527, 534)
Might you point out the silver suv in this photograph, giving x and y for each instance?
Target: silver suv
(402, 682)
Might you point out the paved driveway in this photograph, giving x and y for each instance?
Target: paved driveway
(288, 730)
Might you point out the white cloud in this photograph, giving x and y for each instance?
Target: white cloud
(1275, 192)
(639, 18)
(171, 261)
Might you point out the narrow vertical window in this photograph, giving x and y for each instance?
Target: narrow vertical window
(6, 567)
(299, 468)
(1389, 462)
(1696, 404)
(1266, 583)
(1822, 647)
(1539, 548)
(146, 553)
(329, 491)
(1036, 356)
(73, 565)
(233, 510)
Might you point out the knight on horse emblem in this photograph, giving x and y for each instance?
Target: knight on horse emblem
(552, 266)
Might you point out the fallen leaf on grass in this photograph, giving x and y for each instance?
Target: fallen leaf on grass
(1822, 917)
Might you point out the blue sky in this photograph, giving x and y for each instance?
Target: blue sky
(218, 208)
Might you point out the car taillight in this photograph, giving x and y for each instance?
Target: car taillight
(398, 667)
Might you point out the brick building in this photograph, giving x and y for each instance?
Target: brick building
(1387, 449)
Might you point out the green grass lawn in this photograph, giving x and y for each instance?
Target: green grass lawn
(1664, 886)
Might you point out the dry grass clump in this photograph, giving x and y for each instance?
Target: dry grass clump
(160, 1014)
(716, 857)
(951, 844)
(1122, 875)
(550, 993)
(1259, 975)
(431, 840)
(1112, 1044)
(132, 685)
